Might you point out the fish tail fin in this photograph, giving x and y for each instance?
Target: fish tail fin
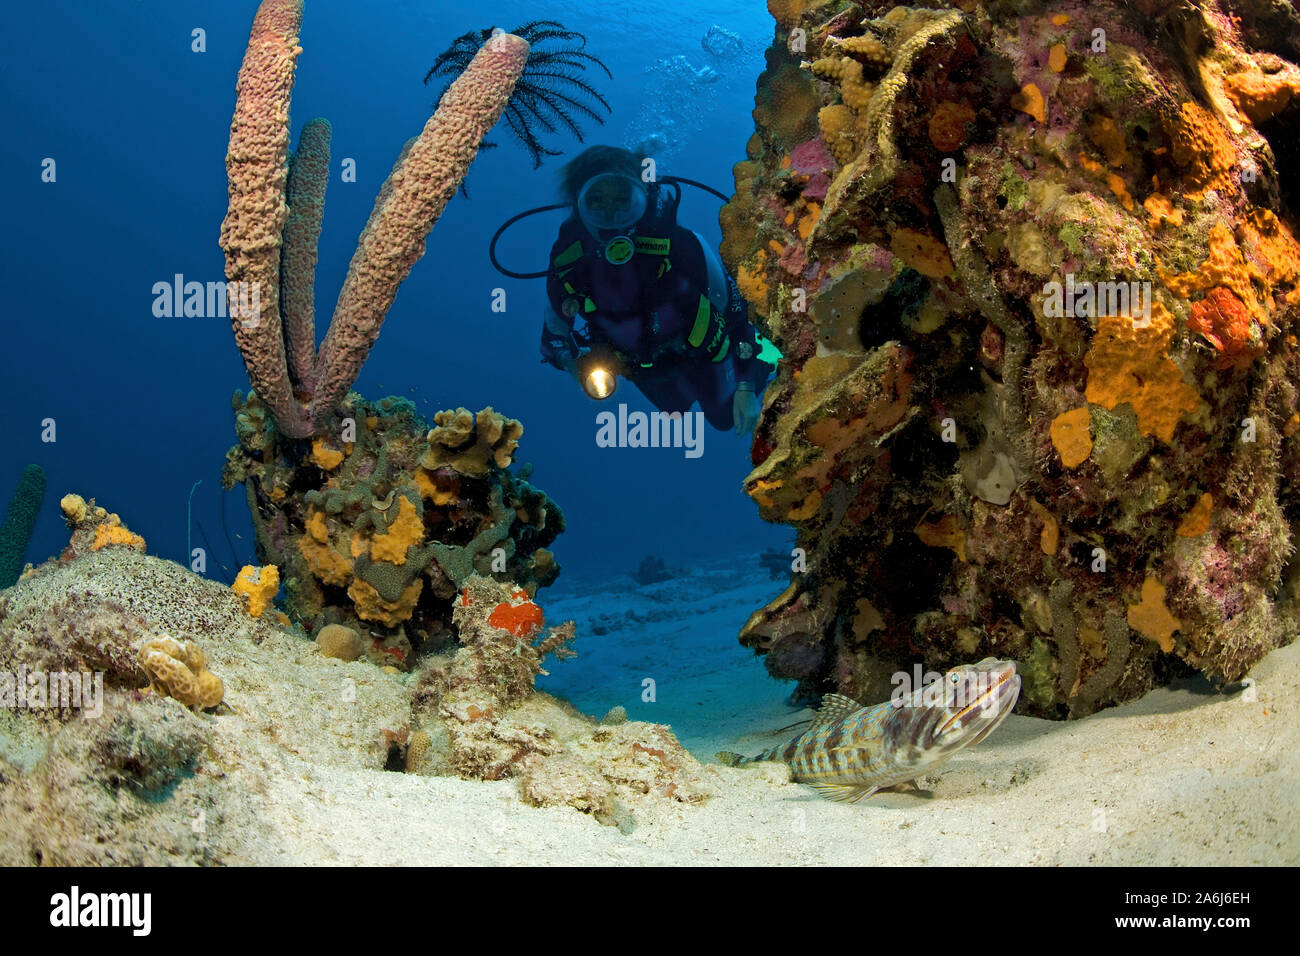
(729, 758)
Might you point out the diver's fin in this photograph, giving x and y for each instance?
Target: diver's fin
(834, 707)
(845, 793)
(729, 759)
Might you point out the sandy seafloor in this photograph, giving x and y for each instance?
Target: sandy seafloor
(1187, 775)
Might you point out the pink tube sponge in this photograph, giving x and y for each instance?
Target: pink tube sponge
(409, 203)
(256, 166)
(270, 244)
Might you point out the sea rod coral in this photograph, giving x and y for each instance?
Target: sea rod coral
(273, 222)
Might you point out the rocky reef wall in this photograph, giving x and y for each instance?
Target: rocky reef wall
(1034, 272)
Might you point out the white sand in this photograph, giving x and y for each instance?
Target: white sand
(1185, 776)
(293, 773)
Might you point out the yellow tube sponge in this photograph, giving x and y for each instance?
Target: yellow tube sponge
(324, 456)
(441, 491)
(258, 586)
(1151, 618)
(74, 509)
(1072, 436)
(321, 557)
(371, 606)
(924, 253)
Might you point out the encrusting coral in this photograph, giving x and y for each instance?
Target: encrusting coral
(270, 244)
(129, 785)
(1035, 277)
(94, 528)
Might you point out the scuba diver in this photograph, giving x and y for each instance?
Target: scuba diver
(655, 303)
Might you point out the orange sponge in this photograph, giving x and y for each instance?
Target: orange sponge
(520, 620)
(258, 586)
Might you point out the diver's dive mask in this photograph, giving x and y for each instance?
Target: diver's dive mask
(611, 203)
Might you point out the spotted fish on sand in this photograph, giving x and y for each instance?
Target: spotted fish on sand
(851, 751)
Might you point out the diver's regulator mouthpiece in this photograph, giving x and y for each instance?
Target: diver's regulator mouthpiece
(598, 374)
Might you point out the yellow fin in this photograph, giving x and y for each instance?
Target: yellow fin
(835, 707)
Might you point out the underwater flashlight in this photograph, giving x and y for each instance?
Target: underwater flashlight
(598, 373)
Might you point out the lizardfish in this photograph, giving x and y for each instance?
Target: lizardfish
(851, 751)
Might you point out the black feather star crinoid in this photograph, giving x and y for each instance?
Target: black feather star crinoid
(553, 91)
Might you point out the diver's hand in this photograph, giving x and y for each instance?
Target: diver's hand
(744, 408)
(569, 363)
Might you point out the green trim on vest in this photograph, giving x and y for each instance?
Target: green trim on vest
(652, 245)
(722, 353)
(703, 312)
(572, 254)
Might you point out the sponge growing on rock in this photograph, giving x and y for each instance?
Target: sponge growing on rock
(179, 669)
(259, 586)
(20, 521)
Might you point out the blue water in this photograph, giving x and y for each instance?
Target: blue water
(137, 125)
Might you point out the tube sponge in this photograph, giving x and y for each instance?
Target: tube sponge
(20, 521)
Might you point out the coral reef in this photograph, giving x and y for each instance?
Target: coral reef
(380, 532)
(20, 521)
(273, 221)
(94, 528)
(1034, 273)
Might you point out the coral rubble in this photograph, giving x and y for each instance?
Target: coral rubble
(1034, 272)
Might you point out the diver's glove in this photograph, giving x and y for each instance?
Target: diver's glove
(744, 408)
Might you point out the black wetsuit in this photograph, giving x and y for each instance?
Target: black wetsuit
(655, 312)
